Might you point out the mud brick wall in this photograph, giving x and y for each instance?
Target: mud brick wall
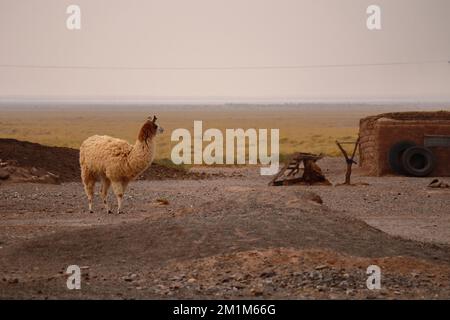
(368, 145)
(380, 132)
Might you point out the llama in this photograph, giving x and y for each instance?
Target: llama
(115, 162)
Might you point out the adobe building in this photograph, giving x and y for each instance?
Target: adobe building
(378, 135)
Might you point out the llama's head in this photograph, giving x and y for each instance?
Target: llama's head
(149, 129)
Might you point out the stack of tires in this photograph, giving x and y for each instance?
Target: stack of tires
(407, 158)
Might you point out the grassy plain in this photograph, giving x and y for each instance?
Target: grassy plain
(306, 128)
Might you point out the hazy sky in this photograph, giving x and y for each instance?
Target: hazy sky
(222, 34)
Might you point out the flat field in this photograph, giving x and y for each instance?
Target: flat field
(308, 128)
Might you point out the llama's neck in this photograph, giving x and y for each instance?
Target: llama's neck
(141, 156)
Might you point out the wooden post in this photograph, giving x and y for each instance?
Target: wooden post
(348, 160)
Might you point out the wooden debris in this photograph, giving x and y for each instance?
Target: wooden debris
(304, 164)
(162, 201)
(438, 184)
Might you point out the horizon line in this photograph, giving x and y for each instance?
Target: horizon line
(213, 101)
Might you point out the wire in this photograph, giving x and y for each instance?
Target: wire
(263, 67)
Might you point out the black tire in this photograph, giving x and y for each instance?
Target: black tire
(418, 161)
(395, 156)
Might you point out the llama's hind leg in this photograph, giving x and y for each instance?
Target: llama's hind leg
(119, 189)
(89, 184)
(106, 183)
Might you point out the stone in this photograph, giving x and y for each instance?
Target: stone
(4, 174)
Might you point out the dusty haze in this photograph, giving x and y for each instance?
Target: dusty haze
(222, 34)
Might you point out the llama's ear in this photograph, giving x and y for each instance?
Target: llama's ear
(154, 119)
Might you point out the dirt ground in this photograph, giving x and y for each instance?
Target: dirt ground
(229, 236)
(23, 161)
(402, 206)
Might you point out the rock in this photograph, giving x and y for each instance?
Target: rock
(130, 277)
(321, 267)
(47, 178)
(4, 174)
(162, 201)
(54, 176)
(321, 288)
(267, 274)
(315, 198)
(256, 292)
(11, 169)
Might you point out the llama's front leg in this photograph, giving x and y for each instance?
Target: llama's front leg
(106, 183)
(119, 190)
